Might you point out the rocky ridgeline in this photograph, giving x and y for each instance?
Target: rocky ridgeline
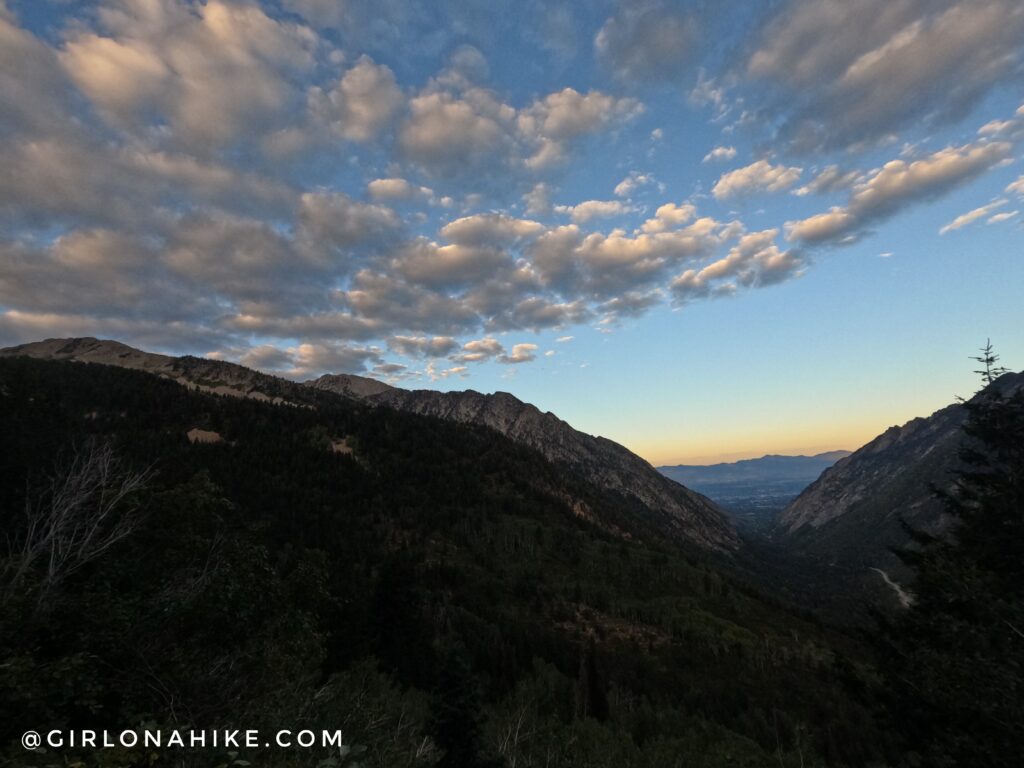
(853, 512)
(675, 510)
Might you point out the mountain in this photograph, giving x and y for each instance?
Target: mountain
(767, 469)
(598, 459)
(432, 569)
(213, 376)
(753, 491)
(852, 514)
(669, 507)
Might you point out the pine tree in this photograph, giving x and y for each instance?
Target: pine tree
(456, 716)
(955, 659)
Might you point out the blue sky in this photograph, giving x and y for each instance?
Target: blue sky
(705, 232)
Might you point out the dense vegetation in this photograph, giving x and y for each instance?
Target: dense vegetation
(955, 660)
(442, 595)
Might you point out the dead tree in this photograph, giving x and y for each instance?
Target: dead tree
(89, 505)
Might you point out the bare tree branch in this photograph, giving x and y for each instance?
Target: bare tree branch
(86, 507)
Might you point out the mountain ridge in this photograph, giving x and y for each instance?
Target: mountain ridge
(683, 513)
(855, 511)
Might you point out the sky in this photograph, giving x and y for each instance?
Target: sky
(705, 230)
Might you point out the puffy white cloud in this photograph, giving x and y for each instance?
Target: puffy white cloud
(759, 176)
(423, 346)
(1016, 187)
(594, 209)
(362, 104)
(754, 261)
(212, 71)
(443, 130)
(720, 153)
(821, 227)
(479, 350)
(971, 216)
(631, 183)
(553, 122)
(397, 189)
(669, 216)
(489, 228)
(897, 184)
(521, 353)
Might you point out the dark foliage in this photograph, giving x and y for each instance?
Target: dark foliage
(273, 582)
(955, 660)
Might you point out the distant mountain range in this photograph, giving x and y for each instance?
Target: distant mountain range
(851, 514)
(754, 490)
(767, 469)
(675, 510)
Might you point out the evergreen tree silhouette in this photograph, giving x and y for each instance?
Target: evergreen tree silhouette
(456, 716)
(955, 659)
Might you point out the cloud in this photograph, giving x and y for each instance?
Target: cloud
(264, 357)
(331, 225)
(1001, 217)
(830, 179)
(455, 128)
(397, 189)
(482, 350)
(720, 153)
(553, 122)
(882, 193)
(362, 104)
(631, 183)
(594, 209)
(423, 346)
(1016, 187)
(327, 14)
(971, 216)
(214, 73)
(669, 216)
(538, 200)
(489, 229)
(760, 176)
(646, 42)
(754, 261)
(443, 130)
(521, 353)
(221, 176)
(822, 226)
(312, 360)
(854, 72)
(479, 350)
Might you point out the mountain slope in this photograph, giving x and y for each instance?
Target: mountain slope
(851, 515)
(267, 578)
(214, 376)
(668, 507)
(601, 461)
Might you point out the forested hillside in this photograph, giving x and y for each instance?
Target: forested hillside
(331, 565)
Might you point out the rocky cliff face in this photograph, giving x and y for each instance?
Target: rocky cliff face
(852, 513)
(688, 514)
(673, 509)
